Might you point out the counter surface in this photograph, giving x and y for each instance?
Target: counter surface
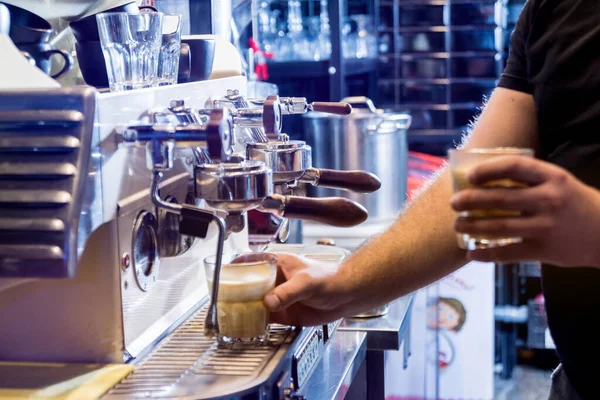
(388, 331)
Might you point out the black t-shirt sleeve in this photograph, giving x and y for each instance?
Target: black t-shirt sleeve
(515, 75)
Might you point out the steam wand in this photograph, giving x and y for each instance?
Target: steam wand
(160, 148)
(194, 222)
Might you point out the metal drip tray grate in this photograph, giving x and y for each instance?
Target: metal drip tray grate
(188, 364)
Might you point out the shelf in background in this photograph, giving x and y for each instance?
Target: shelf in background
(440, 28)
(439, 54)
(438, 81)
(317, 69)
(432, 106)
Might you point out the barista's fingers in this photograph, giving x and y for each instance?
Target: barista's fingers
(291, 263)
(299, 287)
(517, 226)
(517, 168)
(513, 253)
(525, 200)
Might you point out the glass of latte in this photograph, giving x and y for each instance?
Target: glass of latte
(245, 279)
(461, 163)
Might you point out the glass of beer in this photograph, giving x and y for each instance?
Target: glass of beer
(461, 163)
(245, 279)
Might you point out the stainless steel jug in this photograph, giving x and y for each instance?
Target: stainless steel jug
(368, 139)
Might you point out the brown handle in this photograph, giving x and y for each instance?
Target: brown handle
(354, 181)
(334, 211)
(332, 108)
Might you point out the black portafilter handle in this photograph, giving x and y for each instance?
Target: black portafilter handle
(355, 181)
(334, 211)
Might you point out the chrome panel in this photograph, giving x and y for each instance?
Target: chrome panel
(386, 332)
(333, 376)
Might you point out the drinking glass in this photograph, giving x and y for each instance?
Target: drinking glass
(314, 31)
(131, 45)
(245, 279)
(461, 164)
(348, 41)
(168, 60)
(366, 42)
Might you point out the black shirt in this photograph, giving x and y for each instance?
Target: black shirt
(555, 56)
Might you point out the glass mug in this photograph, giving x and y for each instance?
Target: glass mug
(131, 45)
(168, 60)
(461, 164)
(245, 280)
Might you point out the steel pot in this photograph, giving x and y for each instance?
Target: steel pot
(368, 139)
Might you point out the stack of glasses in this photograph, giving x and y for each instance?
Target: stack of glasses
(140, 50)
(301, 38)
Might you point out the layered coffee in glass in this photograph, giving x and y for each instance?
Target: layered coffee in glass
(244, 281)
(462, 163)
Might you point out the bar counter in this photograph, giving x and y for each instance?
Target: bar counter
(353, 367)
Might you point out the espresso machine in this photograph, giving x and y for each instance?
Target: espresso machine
(109, 202)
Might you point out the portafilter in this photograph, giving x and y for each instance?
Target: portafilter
(291, 162)
(238, 187)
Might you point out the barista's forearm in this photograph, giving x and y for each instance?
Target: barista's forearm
(417, 250)
(420, 247)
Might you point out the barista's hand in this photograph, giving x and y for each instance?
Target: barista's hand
(560, 222)
(307, 292)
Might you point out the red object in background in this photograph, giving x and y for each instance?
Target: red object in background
(540, 298)
(260, 65)
(421, 168)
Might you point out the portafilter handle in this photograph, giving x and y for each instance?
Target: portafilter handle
(334, 211)
(274, 107)
(330, 107)
(269, 116)
(354, 181)
(299, 105)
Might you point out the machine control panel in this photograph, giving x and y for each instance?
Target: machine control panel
(305, 358)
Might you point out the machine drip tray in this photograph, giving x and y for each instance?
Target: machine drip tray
(187, 364)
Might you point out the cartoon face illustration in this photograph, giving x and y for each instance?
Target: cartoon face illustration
(448, 317)
(451, 315)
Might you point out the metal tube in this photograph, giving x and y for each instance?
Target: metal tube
(155, 196)
(189, 133)
(211, 323)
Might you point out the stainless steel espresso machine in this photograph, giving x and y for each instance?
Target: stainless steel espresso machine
(108, 205)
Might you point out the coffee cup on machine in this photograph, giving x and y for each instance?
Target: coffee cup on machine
(42, 53)
(91, 63)
(201, 53)
(31, 34)
(27, 27)
(185, 64)
(86, 28)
